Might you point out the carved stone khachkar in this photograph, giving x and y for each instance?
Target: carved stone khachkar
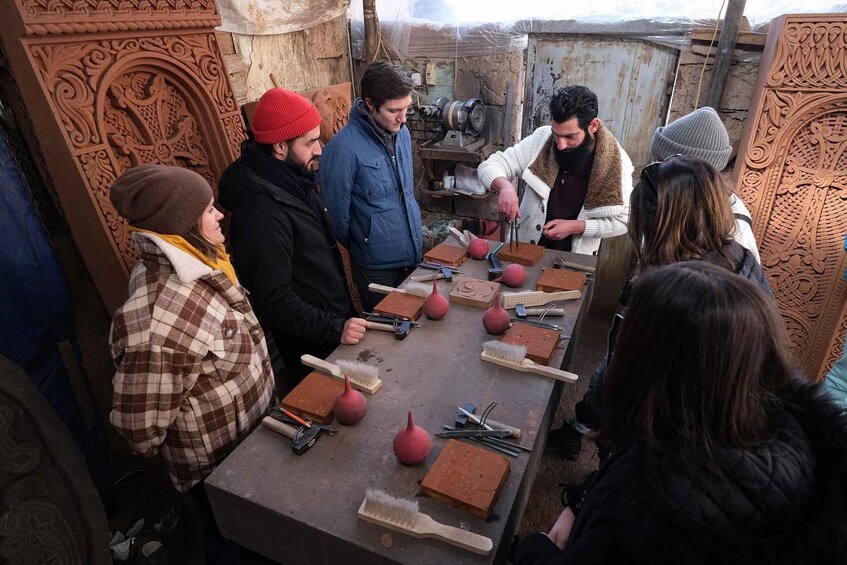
(50, 511)
(792, 173)
(110, 84)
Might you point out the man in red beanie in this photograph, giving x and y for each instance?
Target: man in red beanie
(366, 182)
(283, 242)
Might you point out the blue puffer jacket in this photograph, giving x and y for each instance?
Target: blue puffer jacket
(370, 195)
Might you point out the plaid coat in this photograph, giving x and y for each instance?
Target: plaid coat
(193, 374)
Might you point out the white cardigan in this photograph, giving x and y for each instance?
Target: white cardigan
(514, 162)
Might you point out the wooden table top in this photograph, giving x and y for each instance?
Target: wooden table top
(303, 509)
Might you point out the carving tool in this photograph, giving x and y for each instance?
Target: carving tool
(495, 268)
(459, 235)
(489, 423)
(397, 325)
(278, 415)
(403, 516)
(499, 434)
(362, 376)
(295, 417)
(390, 320)
(537, 297)
(445, 274)
(521, 311)
(461, 417)
(302, 439)
(501, 445)
(439, 266)
(538, 324)
(514, 357)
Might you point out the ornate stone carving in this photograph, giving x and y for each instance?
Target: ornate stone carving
(45, 17)
(333, 104)
(118, 100)
(49, 509)
(792, 173)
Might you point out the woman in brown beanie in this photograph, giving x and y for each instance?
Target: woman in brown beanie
(193, 374)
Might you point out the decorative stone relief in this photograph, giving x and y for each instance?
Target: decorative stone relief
(333, 104)
(126, 82)
(792, 173)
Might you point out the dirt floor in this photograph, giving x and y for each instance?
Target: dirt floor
(545, 502)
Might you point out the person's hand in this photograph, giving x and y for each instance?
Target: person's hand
(354, 331)
(507, 200)
(560, 229)
(561, 530)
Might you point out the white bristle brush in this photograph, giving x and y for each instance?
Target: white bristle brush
(414, 288)
(514, 357)
(362, 376)
(402, 515)
(537, 297)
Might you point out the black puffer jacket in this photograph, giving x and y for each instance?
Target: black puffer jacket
(781, 502)
(285, 255)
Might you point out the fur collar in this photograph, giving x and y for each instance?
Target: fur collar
(187, 268)
(604, 185)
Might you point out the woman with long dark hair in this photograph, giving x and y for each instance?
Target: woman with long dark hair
(720, 453)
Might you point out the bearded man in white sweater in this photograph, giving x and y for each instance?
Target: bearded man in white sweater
(578, 178)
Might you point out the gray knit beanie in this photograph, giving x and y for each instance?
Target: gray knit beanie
(698, 134)
(161, 199)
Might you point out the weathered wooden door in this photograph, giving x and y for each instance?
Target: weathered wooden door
(792, 173)
(632, 80)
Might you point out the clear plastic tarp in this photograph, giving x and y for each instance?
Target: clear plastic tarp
(462, 28)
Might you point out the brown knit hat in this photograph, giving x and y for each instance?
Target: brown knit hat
(162, 199)
(282, 115)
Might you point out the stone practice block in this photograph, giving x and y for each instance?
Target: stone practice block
(555, 280)
(313, 397)
(540, 343)
(524, 253)
(467, 477)
(407, 306)
(446, 254)
(474, 292)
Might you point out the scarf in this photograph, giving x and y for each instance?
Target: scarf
(222, 263)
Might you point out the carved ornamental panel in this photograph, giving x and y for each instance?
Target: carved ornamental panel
(792, 173)
(110, 84)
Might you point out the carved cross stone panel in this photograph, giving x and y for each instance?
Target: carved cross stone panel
(112, 84)
(792, 173)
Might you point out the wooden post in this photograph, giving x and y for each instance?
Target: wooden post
(371, 30)
(726, 45)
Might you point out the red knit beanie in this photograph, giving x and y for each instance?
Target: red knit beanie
(282, 115)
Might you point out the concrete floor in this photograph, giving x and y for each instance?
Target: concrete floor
(545, 504)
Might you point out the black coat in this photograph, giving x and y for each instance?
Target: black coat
(780, 502)
(285, 255)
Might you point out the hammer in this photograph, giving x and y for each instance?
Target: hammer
(301, 439)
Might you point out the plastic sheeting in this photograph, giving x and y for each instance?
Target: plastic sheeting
(463, 28)
(271, 17)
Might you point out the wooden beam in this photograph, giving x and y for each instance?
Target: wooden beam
(726, 45)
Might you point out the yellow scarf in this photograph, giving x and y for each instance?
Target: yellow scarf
(221, 264)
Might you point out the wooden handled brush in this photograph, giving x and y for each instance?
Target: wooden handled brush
(514, 357)
(362, 376)
(402, 515)
(413, 288)
(459, 235)
(538, 298)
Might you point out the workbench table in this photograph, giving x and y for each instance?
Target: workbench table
(303, 509)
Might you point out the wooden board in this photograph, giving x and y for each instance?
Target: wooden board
(446, 254)
(525, 254)
(313, 397)
(474, 292)
(467, 477)
(540, 343)
(555, 280)
(401, 304)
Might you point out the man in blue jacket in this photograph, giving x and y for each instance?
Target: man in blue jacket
(366, 183)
